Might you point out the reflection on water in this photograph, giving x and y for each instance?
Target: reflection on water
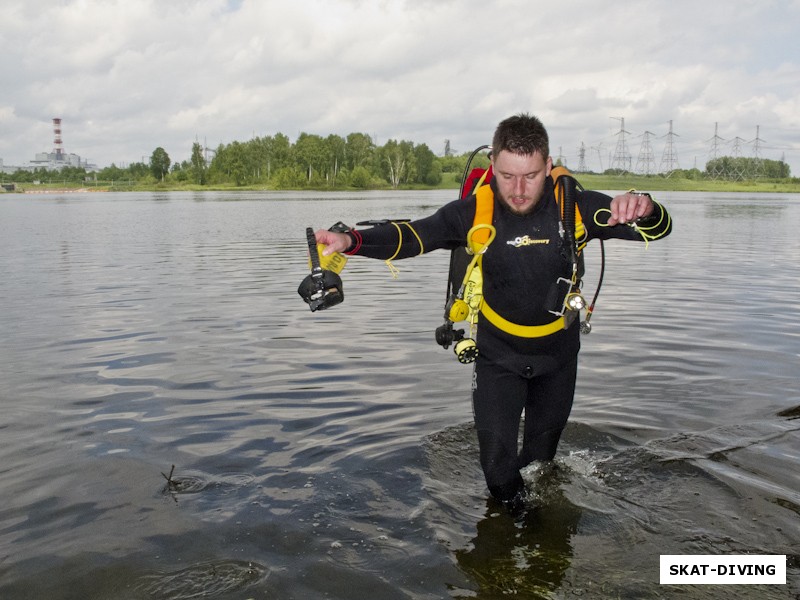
(528, 556)
(331, 455)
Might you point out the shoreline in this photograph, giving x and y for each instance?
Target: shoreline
(82, 190)
(588, 181)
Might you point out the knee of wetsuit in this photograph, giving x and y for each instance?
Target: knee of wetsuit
(542, 446)
(498, 460)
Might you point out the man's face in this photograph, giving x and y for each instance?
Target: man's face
(520, 179)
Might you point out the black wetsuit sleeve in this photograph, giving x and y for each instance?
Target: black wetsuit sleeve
(595, 207)
(444, 229)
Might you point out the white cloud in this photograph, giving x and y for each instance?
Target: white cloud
(128, 76)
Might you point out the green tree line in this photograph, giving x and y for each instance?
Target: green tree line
(727, 168)
(739, 168)
(335, 162)
(314, 161)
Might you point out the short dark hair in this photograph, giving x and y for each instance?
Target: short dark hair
(521, 134)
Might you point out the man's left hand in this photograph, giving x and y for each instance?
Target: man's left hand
(629, 207)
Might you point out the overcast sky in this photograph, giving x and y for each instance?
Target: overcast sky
(128, 76)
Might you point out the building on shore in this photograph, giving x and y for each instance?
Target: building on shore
(51, 161)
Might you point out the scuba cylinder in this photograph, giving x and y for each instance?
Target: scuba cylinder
(323, 287)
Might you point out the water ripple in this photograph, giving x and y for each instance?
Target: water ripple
(209, 580)
(331, 454)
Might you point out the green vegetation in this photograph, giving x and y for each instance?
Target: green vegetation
(677, 182)
(356, 163)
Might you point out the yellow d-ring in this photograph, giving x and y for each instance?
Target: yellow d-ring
(479, 238)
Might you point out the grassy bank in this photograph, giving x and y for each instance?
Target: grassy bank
(589, 181)
(662, 184)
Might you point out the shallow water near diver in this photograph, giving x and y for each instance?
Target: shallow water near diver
(331, 455)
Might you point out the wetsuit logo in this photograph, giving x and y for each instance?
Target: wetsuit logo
(526, 240)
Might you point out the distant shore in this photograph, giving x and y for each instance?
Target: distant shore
(62, 190)
(588, 181)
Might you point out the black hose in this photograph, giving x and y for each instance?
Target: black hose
(602, 273)
(467, 166)
(568, 215)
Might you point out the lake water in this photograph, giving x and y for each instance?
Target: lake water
(331, 455)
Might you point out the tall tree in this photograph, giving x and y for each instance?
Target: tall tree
(334, 146)
(198, 163)
(236, 163)
(425, 161)
(358, 150)
(397, 161)
(309, 152)
(280, 153)
(159, 163)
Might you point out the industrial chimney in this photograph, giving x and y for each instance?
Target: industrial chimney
(58, 150)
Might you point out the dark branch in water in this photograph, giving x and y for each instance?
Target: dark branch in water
(172, 486)
(790, 413)
(170, 483)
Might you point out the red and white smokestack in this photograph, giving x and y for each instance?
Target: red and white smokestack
(57, 148)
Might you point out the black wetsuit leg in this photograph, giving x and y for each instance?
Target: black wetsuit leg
(499, 397)
(547, 409)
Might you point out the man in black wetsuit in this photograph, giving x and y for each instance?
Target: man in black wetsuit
(521, 269)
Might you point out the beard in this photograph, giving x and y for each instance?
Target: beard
(519, 205)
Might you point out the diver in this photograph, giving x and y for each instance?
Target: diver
(526, 353)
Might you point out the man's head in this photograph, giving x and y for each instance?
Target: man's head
(521, 162)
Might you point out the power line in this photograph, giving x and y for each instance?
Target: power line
(719, 151)
(561, 160)
(582, 159)
(599, 149)
(622, 159)
(669, 159)
(646, 164)
(713, 154)
(758, 162)
(737, 173)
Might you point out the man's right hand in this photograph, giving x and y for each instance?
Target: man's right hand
(333, 241)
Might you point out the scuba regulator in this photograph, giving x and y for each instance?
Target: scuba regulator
(323, 287)
(465, 304)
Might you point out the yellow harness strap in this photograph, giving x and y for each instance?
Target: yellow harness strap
(525, 331)
(484, 210)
